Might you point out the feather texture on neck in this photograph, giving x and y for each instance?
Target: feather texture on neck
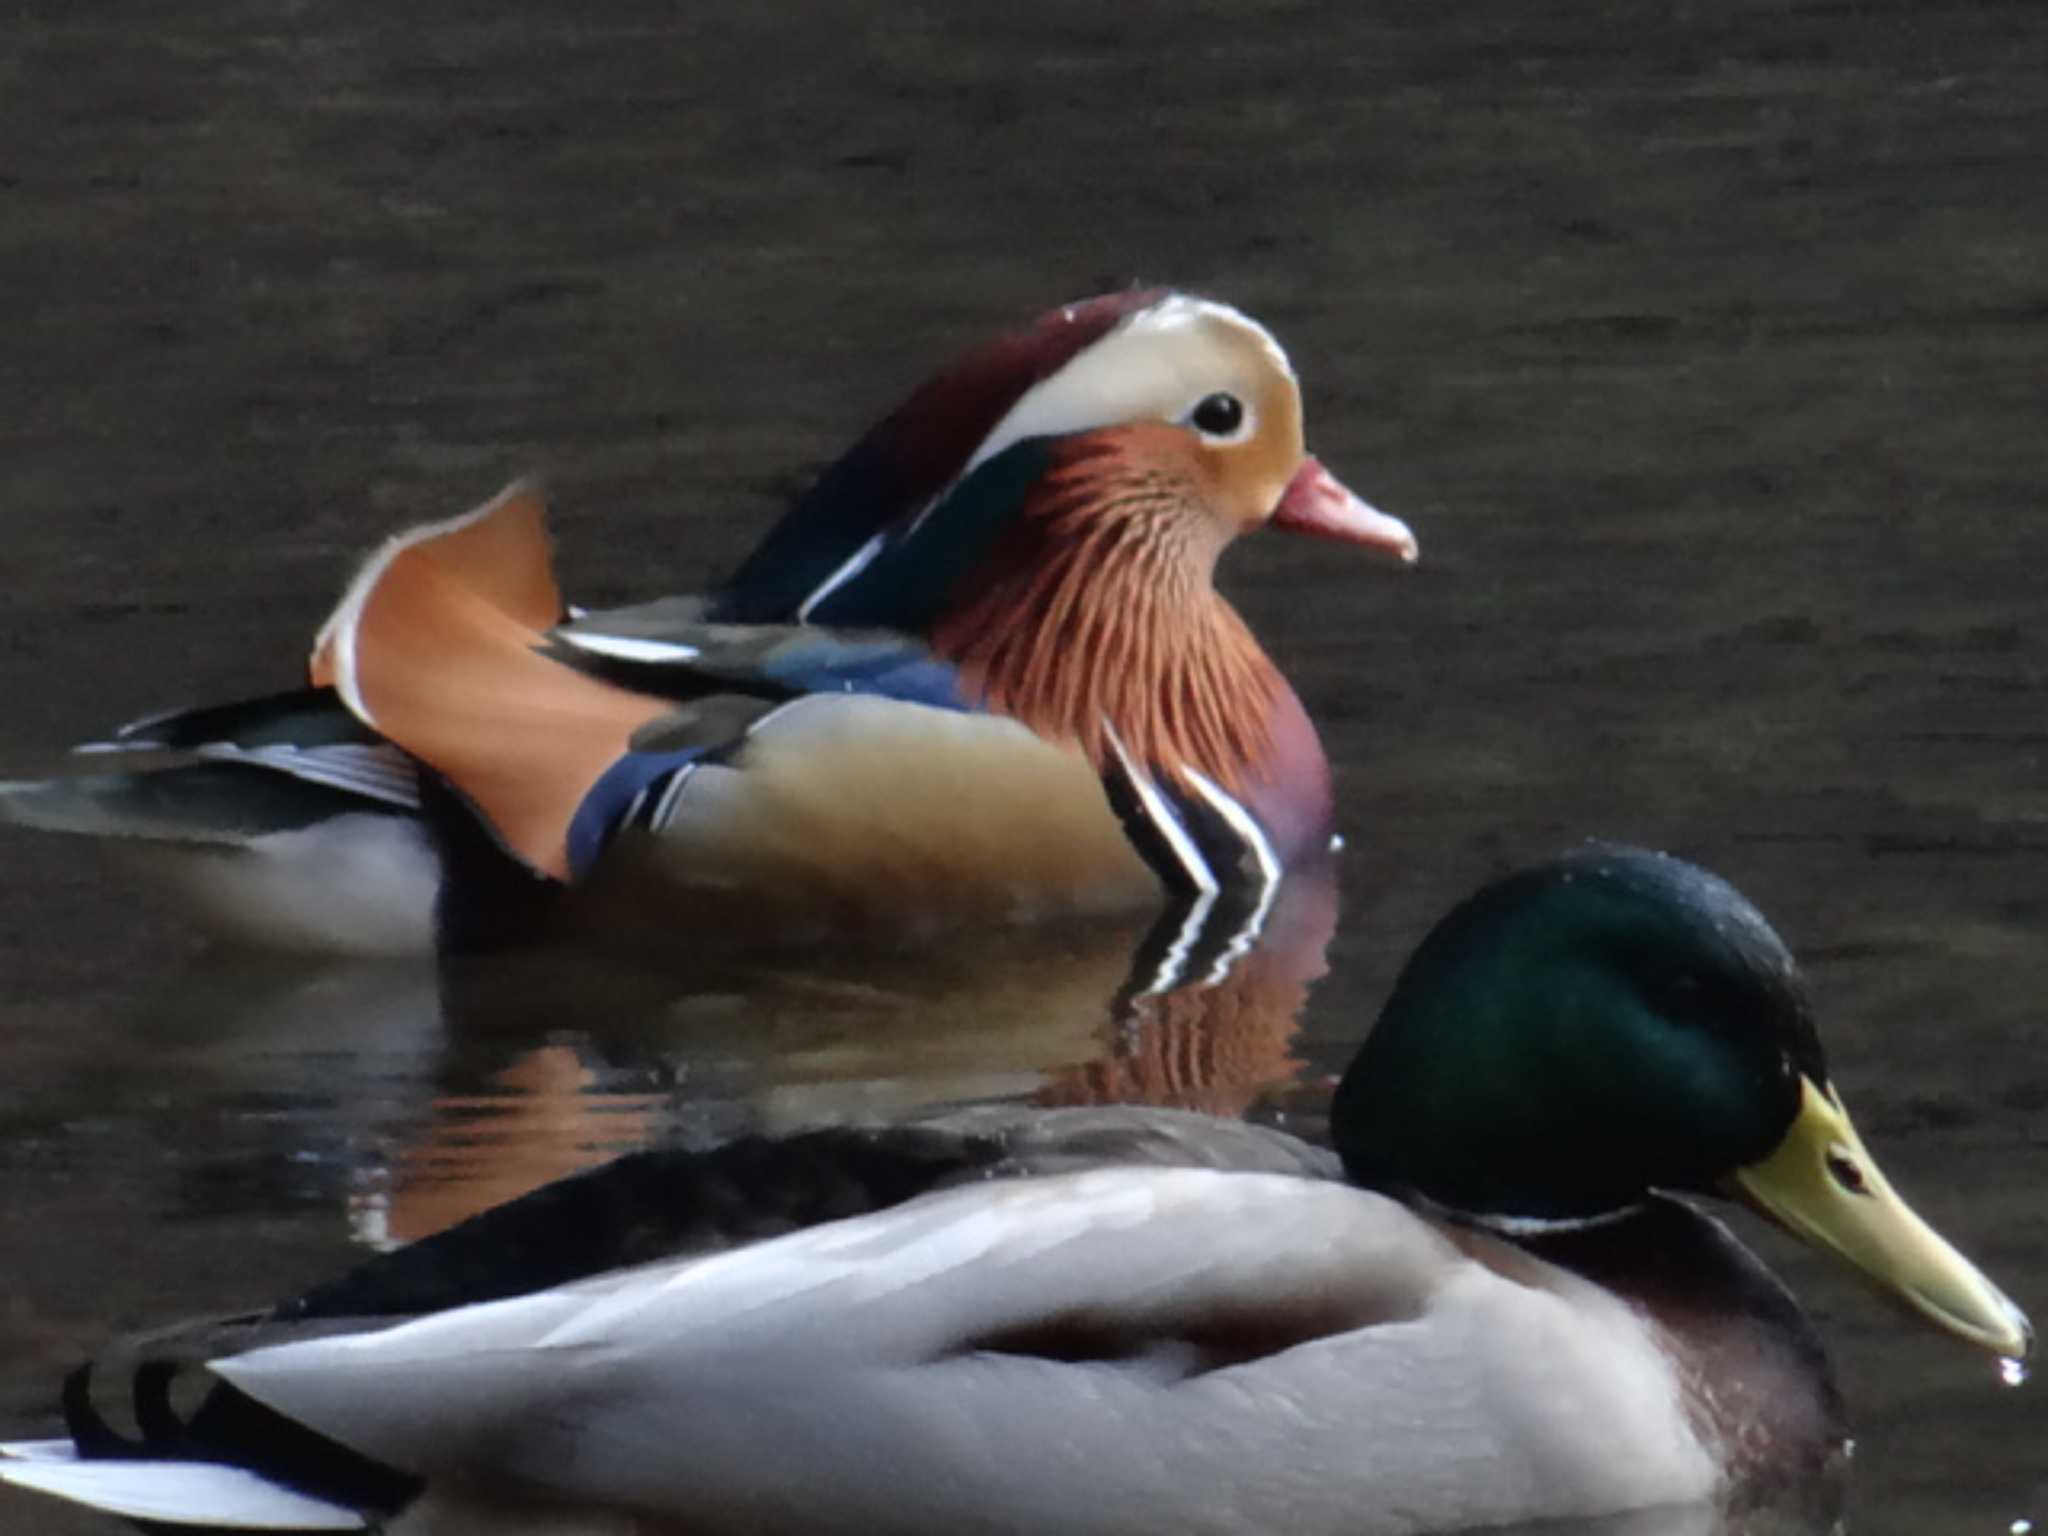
(1095, 608)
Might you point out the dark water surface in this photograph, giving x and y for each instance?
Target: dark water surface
(1704, 345)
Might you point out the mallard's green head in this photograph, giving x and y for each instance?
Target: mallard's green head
(1613, 1022)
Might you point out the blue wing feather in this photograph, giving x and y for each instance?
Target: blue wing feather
(613, 799)
(808, 662)
(891, 668)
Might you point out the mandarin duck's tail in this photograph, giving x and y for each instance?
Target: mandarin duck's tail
(434, 647)
(255, 767)
(278, 821)
(315, 818)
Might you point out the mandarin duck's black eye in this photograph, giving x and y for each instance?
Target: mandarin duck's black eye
(1218, 415)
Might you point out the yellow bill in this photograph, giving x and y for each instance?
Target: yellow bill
(1824, 1186)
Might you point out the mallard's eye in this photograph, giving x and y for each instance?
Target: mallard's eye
(1218, 415)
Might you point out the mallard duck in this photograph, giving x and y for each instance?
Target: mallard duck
(1496, 1301)
(979, 671)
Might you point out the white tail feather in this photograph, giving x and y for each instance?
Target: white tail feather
(179, 1493)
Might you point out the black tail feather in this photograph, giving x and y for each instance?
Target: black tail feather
(231, 1428)
(303, 717)
(94, 1437)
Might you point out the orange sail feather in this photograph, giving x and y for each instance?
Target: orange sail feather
(433, 646)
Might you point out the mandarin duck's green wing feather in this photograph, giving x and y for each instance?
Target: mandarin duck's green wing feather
(906, 463)
(916, 574)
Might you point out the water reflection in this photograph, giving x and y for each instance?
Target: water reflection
(412, 1095)
(543, 1117)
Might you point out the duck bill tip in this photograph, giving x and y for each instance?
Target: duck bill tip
(1822, 1185)
(1316, 502)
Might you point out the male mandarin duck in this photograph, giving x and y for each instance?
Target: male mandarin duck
(1496, 1302)
(979, 669)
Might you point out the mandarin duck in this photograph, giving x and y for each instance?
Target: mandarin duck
(979, 670)
(1497, 1301)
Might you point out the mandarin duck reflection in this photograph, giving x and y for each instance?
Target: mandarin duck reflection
(561, 1057)
(979, 671)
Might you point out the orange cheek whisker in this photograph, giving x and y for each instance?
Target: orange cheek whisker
(1099, 607)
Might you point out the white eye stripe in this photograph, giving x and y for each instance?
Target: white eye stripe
(1182, 348)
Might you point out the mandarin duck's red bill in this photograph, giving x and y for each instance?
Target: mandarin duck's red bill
(979, 671)
(1317, 503)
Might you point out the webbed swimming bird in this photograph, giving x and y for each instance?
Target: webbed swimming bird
(979, 671)
(1498, 1301)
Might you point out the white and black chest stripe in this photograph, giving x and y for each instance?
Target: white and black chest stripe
(1214, 857)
